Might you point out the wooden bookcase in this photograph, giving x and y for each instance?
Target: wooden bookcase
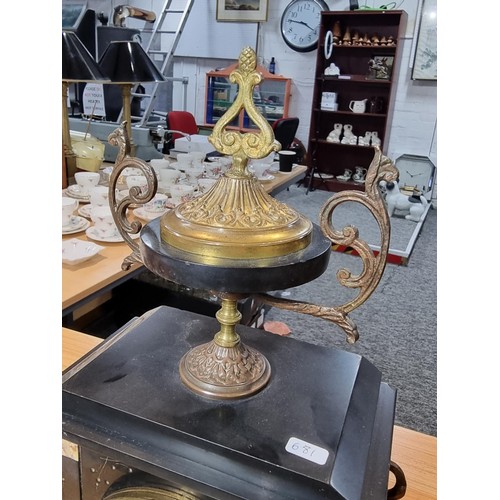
(327, 159)
(271, 96)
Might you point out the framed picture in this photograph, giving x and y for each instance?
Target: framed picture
(242, 11)
(425, 61)
(380, 67)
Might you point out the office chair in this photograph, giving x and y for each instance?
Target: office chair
(183, 121)
(284, 131)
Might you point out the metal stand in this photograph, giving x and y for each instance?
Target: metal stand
(310, 186)
(225, 367)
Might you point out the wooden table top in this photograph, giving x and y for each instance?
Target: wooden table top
(87, 278)
(81, 281)
(414, 452)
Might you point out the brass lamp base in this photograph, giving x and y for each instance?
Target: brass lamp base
(225, 368)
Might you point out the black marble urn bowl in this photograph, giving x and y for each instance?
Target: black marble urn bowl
(231, 275)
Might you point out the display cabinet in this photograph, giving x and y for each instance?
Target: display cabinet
(355, 80)
(272, 97)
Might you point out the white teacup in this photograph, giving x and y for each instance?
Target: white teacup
(169, 175)
(104, 223)
(184, 160)
(87, 180)
(99, 196)
(137, 180)
(158, 204)
(204, 184)
(194, 173)
(69, 205)
(260, 169)
(197, 157)
(213, 169)
(181, 193)
(268, 159)
(159, 163)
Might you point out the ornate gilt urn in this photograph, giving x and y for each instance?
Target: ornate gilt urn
(237, 241)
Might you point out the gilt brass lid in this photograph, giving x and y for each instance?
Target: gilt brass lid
(236, 218)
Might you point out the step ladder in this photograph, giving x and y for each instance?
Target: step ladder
(160, 42)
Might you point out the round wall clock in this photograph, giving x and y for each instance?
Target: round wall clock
(300, 24)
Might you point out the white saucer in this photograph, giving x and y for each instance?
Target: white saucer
(75, 251)
(74, 192)
(266, 178)
(85, 211)
(76, 225)
(92, 234)
(148, 216)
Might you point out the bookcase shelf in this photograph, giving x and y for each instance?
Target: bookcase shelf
(356, 82)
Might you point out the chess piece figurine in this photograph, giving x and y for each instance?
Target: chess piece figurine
(337, 33)
(346, 39)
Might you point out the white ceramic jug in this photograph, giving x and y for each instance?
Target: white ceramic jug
(358, 106)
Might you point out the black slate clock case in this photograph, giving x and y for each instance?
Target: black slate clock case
(130, 424)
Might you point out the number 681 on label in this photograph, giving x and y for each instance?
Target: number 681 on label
(307, 451)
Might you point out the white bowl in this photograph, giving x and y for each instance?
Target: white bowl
(75, 251)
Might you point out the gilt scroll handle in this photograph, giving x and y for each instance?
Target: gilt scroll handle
(120, 138)
(381, 168)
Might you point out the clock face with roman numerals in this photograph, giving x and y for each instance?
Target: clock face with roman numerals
(300, 24)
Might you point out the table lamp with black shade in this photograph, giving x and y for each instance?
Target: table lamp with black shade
(78, 65)
(127, 64)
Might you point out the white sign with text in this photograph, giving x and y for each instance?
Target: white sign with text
(93, 100)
